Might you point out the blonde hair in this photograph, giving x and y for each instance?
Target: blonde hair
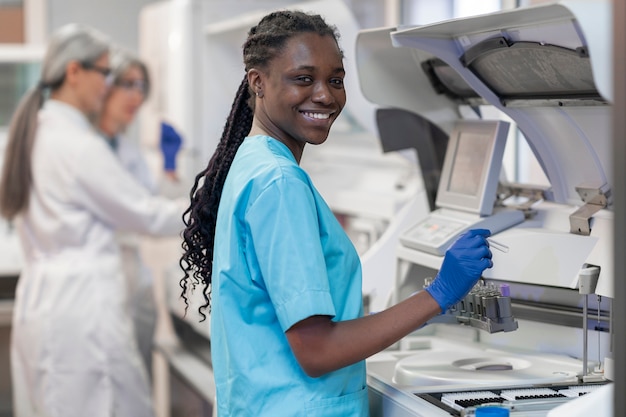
(73, 42)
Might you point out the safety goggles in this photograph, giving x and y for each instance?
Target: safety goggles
(105, 71)
(132, 85)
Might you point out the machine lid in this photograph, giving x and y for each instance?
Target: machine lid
(389, 78)
(548, 67)
(510, 69)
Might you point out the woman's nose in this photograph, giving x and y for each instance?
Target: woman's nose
(322, 93)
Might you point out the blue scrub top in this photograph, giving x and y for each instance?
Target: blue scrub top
(280, 256)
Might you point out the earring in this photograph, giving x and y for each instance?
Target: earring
(259, 94)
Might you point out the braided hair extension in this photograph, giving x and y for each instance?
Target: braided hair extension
(201, 216)
(265, 41)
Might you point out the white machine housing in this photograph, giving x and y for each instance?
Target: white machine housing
(571, 141)
(568, 227)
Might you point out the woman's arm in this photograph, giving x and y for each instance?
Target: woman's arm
(322, 345)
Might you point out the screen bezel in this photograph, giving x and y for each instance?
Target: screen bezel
(482, 202)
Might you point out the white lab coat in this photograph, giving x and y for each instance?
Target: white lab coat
(139, 281)
(133, 160)
(72, 350)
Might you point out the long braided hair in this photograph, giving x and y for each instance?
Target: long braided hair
(265, 41)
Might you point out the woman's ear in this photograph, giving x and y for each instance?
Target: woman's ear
(255, 81)
(72, 71)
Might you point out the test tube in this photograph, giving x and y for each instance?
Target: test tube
(497, 245)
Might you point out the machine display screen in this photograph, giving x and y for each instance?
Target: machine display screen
(472, 165)
(469, 163)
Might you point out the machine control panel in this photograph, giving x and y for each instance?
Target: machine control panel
(440, 229)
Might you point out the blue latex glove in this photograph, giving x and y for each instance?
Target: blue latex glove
(170, 143)
(462, 267)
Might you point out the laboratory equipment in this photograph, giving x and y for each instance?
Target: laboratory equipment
(487, 307)
(471, 169)
(546, 70)
(466, 195)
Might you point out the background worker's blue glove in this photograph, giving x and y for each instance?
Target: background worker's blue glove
(462, 267)
(170, 143)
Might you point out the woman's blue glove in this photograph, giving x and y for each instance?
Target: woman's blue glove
(171, 142)
(462, 267)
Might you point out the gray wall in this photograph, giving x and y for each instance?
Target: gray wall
(117, 18)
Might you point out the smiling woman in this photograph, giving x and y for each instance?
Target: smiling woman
(299, 104)
(288, 335)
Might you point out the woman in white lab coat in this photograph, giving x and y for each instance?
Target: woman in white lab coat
(72, 350)
(130, 88)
